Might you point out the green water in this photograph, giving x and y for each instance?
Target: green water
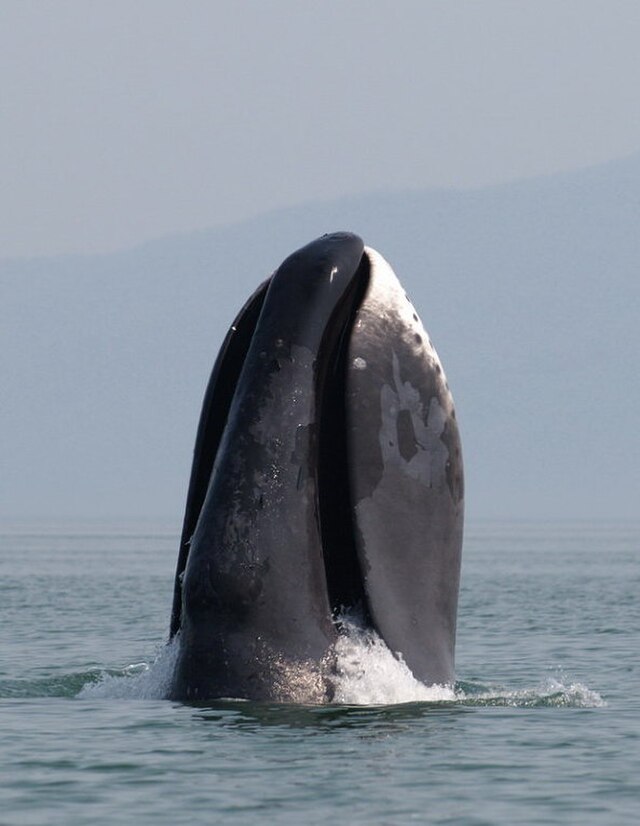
(542, 727)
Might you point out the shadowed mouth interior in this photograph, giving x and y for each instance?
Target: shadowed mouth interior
(345, 583)
(345, 587)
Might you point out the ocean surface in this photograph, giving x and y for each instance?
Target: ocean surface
(543, 725)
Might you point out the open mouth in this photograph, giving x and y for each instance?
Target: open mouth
(327, 477)
(338, 527)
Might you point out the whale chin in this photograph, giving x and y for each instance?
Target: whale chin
(327, 477)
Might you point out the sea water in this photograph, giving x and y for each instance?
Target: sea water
(542, 726)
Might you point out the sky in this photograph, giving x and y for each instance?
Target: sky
(124, 121)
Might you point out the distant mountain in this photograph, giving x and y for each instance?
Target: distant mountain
(530, 292)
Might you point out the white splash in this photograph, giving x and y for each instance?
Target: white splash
(369, 674)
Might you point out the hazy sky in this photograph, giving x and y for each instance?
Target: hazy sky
(126, 120)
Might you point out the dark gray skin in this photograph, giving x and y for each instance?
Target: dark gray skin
(327, 475)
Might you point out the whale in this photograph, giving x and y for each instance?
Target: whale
(327, 482)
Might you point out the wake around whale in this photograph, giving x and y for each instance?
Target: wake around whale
(326, 481)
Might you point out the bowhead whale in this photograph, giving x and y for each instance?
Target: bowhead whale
(327, 477)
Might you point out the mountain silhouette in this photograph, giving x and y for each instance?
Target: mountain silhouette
(529, 291)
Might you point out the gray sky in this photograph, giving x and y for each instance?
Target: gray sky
(123, 121)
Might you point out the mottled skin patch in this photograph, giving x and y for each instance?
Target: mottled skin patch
(406, 470)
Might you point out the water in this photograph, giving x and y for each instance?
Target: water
(542, 727)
